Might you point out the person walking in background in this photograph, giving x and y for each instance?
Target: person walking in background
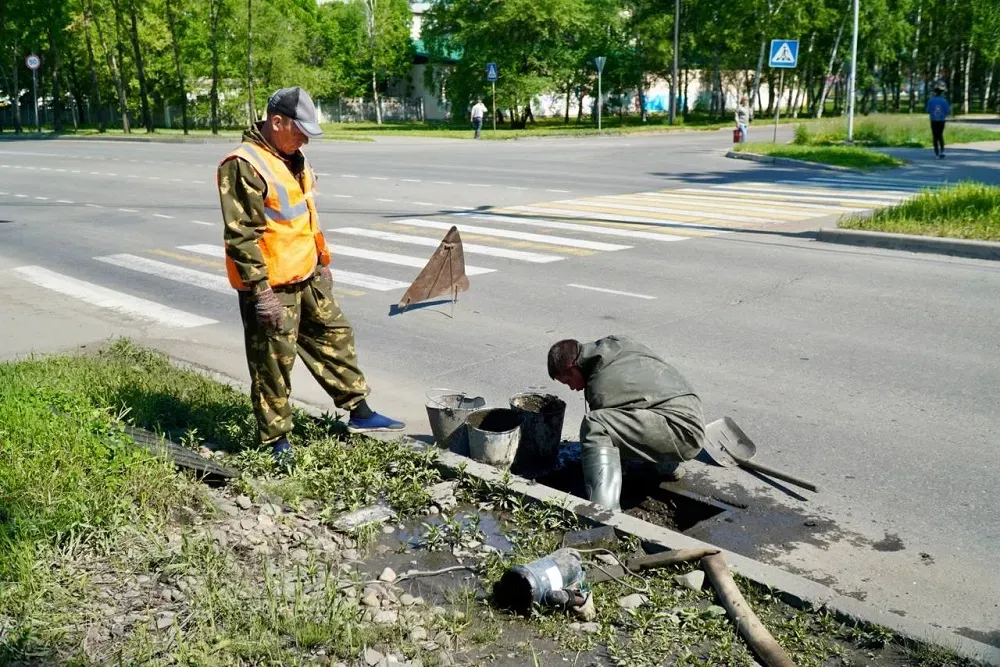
(744, 114)
(939, 110)
(478, 111)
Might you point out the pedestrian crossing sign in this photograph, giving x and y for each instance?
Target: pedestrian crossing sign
(492, 73)
(784, 53)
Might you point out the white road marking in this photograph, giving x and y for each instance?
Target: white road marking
(376, 283)
(165, 217)
(181, 274)
(552, 190)
(386, 200)
(94, 205)
(63, 201)
(471, 248)
(443, 183)
(379, 178)
(522, 236)
(153, 178)
(794, 195)
(321, 173)
(201, 222)
(615, 217)
(867, 190)
(107, 298)
(835, 194)
(515, 187)
(729, 203)
(410, 180)
(22, 196)
(348, 176)
(611, 291)
(42, 198)
(344, 196)
(695, 213)
(128, 210)
(866, 184)
(93, 173)
(423, 203)
(200, 182)
(393, 258)
(172, 180)
(478, 185)
(574, 227)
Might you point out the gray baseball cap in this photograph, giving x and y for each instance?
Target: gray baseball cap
(296, 104)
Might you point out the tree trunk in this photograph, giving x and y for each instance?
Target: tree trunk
(970, 54)
(16, 94)
(642, 99)
(147, 116)
(569, 86)
(829, 72)
(914, 58)
(987, 87)
(579, 107)
(370, 6)
(109, 55)
(57, 102)
(251, 105)
(182, 89)
(95, 88)
(755, 97)
(378, 109)
(214, 11)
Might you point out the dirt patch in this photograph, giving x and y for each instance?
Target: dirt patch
(544, 403)
(891, 542)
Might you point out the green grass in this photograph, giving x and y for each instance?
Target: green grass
(911, 131)
(964, 211)
(856, 157)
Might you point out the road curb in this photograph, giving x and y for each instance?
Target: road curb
(791, 588)
(928, 244)
(791, 162)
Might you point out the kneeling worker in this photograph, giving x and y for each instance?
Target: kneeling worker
(639, 405)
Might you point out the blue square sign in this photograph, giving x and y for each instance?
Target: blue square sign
(492, 73)
(784, 53)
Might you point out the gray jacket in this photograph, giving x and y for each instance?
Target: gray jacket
(743, 115)
(624, 374)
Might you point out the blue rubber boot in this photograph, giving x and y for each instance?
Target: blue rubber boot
(374, 423)
(283, 456)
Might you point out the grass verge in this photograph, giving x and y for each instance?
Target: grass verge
(842, 156)
(963, 211)
(908, 131)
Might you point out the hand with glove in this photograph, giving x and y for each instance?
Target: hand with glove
(325, 274)
(268, 308)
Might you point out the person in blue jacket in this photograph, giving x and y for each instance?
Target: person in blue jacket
(939, 110)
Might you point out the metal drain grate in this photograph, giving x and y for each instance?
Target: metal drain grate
(180, 456)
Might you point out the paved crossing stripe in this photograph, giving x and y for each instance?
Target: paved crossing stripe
(574, 227)
(470, 248)
(727, 202)
(871, 190)
(807, 195)
(103, 297)
(616, 217)
(377, 283)
(181, 274)
(393, 258)
(506, 234)
(602, 203)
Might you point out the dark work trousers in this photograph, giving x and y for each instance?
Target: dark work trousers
(937, 129)
(477, 123)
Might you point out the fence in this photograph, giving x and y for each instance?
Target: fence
(359, 110)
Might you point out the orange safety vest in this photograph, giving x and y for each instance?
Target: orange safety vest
(292, 242)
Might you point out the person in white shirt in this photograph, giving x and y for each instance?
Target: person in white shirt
(477, 116)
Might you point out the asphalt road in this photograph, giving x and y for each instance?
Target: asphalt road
(873, 372)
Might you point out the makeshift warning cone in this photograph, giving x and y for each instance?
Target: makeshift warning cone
(443, 274)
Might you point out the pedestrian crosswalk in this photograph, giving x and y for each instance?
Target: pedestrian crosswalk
(386, 255)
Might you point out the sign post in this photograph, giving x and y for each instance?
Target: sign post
(33, 62)
(853, 81)
(784, 55)
(492, 73)
(599, 61)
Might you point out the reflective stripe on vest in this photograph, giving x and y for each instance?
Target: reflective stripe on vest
(286, 210)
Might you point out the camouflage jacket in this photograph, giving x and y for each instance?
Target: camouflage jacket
(241, 193)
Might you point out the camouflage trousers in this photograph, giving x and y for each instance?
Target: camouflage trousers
(313, 328)
(653, 436)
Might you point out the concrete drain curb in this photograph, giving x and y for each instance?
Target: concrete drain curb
(912, 243)
(791, 162)
(793, 589)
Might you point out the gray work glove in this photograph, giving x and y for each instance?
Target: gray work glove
(268, 308)
(324, 273)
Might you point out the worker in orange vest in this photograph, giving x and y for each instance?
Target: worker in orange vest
(278, 261)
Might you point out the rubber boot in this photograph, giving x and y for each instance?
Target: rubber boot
(602, 476)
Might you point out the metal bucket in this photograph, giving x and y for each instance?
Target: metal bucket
(447, 414)
(494, 435)
(541, 429)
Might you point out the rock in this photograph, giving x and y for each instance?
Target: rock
(248, 524)
(387, 604)
(270, 509)
(418, 634)
(350, 554)
(416, 662)
(473, 544)
(387, 576)
(444, 658)
(608, 559)
(220, 537)
(165, 620)
(243, 502)
(371, 601)
(386, 617)
(406, 600)
(591, 628)
(438, 611)
(692, 580)
(433, 510)
(373, 657)
(350, 592)
(142, 580)
(418, 602)
(265, 520)
(388, 530)
(633, 601)
(299, 555)
(227, 508)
